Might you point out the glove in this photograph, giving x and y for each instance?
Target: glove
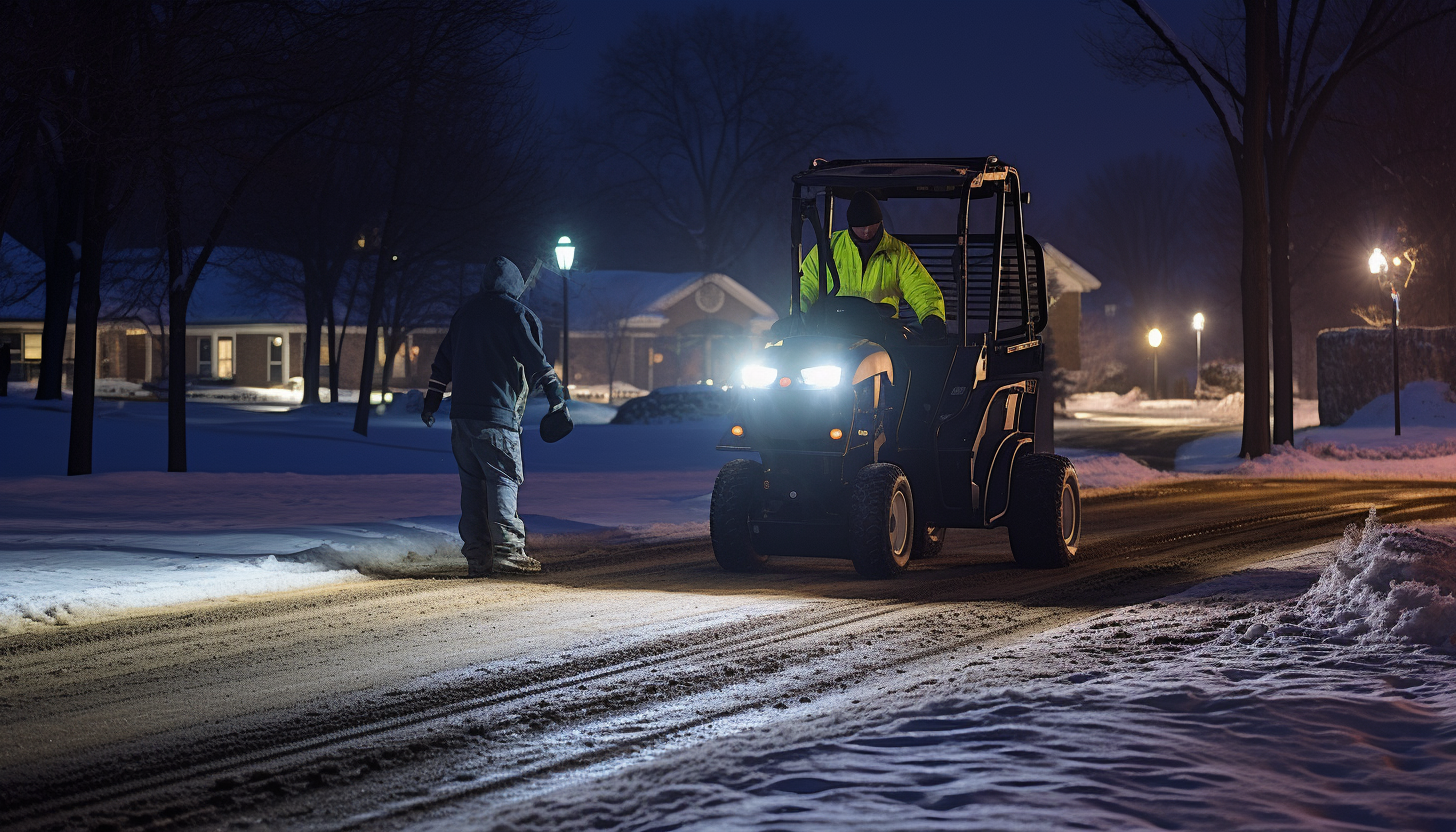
(933, 329)
(556, 424)
(432, 403)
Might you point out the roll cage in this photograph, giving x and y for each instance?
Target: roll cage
(1005, 314)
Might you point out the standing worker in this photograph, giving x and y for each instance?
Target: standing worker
(492, 356)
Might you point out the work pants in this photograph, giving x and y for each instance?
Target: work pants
(490, 480)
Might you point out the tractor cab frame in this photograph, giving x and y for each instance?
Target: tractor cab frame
(874, 440)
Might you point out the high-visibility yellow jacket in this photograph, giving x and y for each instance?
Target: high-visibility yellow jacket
(893, 273)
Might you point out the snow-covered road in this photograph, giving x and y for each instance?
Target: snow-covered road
(408, 702)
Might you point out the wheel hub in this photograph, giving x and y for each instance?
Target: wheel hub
(899, 522)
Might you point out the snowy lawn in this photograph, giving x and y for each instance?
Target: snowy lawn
(1317, 691)
(1134, 407)
(1365, 447)
(293, 499)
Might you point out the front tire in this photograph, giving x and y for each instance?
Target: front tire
(1045, 520)
(882, 521)
(730, 517)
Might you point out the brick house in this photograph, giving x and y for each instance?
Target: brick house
(236, 334)
(651, 329)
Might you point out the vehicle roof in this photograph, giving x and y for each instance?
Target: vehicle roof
(899, 178)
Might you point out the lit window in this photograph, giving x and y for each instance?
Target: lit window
(30, 346)
(275, 359)
(224, 358)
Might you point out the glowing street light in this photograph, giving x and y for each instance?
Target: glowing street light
(1198, 364)
(565, 256)
(1381, 270)
(1155, 339)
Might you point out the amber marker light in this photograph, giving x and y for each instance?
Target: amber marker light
(836, 433)
(737, 430)
(785, 382)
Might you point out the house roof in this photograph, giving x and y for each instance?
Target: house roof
(229, 291)
(22, 273)
(1064, 274)
(631, 294)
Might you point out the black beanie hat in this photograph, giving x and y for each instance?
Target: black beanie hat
(864, 210)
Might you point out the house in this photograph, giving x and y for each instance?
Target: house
(644, 330)
(238, 332)
(1066, 283)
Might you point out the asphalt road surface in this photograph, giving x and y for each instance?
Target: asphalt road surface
(1155, 445)
(384, 704)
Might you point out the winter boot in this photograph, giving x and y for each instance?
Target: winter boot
(478, 569)
(520, 564)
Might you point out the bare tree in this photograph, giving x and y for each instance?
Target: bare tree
(699, 115)
(444, 50)
(1273, 67)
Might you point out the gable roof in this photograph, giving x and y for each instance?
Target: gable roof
(133, 286)
(1064, 274)
(632, 294)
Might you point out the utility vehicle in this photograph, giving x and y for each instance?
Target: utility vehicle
(873, 439)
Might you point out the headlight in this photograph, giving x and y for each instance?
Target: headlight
(824, 376)
(755, 375)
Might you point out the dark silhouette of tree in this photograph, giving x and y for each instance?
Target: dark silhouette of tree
(698, 117)
(1268, 73)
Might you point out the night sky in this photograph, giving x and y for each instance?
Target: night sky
(965, 79)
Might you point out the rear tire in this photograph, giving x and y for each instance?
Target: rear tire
(928, 542)
(1045, 520)
(882, 521)
(730, 517)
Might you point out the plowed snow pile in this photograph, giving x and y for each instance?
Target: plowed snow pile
(1313, 692)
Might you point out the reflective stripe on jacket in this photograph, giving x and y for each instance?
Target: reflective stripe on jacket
(894, 272)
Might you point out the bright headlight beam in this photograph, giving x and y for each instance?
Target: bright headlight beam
(826, 375)
(756, 375)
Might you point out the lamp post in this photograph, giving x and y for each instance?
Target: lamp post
(1155, 338)
(1381, 270)
(565, 256)
(1198, 362)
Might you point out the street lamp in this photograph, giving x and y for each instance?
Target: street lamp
(1155, 338)
(565, 256)
(1381, 270)
(1198, 364)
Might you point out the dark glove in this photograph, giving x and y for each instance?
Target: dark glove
(554, 392)
(933, 329)
(556, 424)
(432, 403)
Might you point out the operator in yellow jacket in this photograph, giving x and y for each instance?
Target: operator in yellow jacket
(876, 266)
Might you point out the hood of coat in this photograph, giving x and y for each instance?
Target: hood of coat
(504, 278)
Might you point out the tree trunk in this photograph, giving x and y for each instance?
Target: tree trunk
(1280, 304)
(333, 357)
(313, 317)
(60, 283)
(94, 221)
(178, 294)
(385, 266)
(1254, 276)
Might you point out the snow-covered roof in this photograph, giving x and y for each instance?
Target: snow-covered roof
(230, 290)
(22, 273)
(641, 296)
(1064, 274)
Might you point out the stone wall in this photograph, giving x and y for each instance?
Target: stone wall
(1353, 364)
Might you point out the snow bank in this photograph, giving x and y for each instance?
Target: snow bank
(73, 578)
(1364, 447)
(1385, 583)
(1102, 469)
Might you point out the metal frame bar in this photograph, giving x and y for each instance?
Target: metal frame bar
(997, 246)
